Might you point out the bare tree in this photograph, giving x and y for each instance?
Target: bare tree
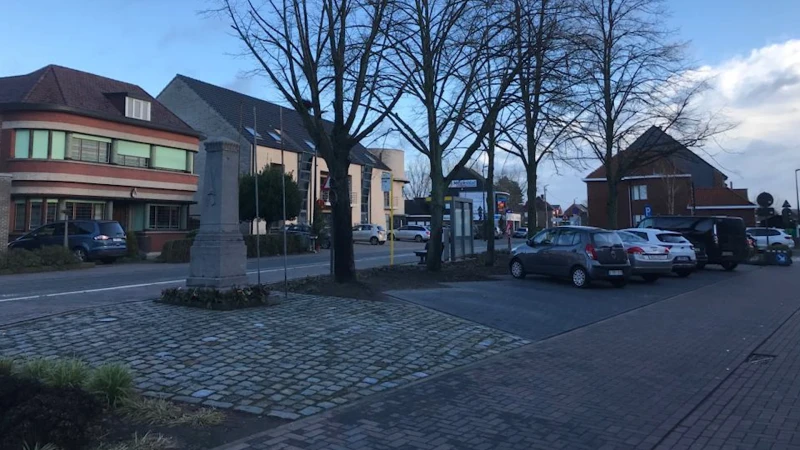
(637, 78)
(327, 59)
(544, 98)
(442, 49)
(673, 185)
(418, 172)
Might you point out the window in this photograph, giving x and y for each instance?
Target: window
(253, 132)
(310, 144)
(170, 158)
(41, 144)
(36, 214)
(58, 144)
(132, 154)
(22, 144)
(568, 238)
(274, 135)
(52, 211)
(639, 192)
(638, 218)
(48, 230)
(88, 148)
(165, 217)
(606, 239)
(137, 109)
(671, 238)
(631, 238)
(386, 200)
(19, 215)
(545, 237)
(85, 210)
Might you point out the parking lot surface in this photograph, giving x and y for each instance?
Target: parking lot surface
(538, 307)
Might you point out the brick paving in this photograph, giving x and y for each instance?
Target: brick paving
(296, 359)
(632, 381)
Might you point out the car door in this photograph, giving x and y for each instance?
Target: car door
(51, 234)
(358, 233)
(535, 260)
(28, 241)
(400, 233)
(563, 255)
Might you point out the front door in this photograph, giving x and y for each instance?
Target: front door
(122, 214)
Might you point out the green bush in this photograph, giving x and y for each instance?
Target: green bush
(132, 242)
(112, 381)
(36, 368)
(68, 372)
(6, 366)
(234, 298)
(272, 244)
(178, 251)
(56, 256)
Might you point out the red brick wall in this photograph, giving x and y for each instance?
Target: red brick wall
(101, 170)
(657, 197)
(153, 241)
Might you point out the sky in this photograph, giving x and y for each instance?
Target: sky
(752, 49)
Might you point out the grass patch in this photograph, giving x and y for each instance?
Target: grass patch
(35, 368)
(113, 381)
(37, 446)
(148, 441)
(372, 283)
(7, 366)
(68, 372)
(156, 411)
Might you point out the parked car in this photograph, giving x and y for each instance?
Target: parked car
(297, 228)
(580, 254)
(90, 240)
(416, 233)
(769, 237)
(367, 232)
(648, 261)
(681, 251)
(718, 240)
(520, 233)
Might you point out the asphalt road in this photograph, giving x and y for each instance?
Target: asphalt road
(28, 296)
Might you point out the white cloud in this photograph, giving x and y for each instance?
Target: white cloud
(761, 93)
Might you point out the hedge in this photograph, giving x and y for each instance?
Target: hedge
(237, 297)
(20, 260)
(179, 251)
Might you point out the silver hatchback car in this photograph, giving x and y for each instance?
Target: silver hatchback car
(580, 254)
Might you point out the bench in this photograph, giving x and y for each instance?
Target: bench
(422, 255)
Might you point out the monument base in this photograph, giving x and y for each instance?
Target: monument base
(218, 261)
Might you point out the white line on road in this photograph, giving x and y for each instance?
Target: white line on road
(159, 283)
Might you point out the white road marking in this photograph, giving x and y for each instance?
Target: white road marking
(159, 283)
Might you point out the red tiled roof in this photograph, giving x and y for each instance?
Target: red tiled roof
(84, 92)
(721, 196)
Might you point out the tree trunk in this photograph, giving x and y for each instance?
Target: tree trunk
(611, 203)
(342, 226)
(490, 203)
(533, 215)
(437, 219)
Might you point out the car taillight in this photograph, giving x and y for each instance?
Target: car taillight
(591, 252)
(788, 237)
(428, 233)
(101, 237)
(691, 247)
(636, 251)
(667, 246)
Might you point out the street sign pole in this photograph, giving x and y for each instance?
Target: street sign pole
(387, 186)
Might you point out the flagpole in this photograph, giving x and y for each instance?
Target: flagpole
(255, 170)
(283, 195)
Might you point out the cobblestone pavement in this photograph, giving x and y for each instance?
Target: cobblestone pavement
(633, 381)
(292, 360)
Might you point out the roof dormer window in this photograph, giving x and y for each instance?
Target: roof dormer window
(137, 109)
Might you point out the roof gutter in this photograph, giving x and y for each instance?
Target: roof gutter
(94, 115)
(642, 177)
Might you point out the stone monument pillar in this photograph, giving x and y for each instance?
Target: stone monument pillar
(5, 208)
(219, 256)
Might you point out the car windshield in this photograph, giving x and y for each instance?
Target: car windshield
(111, 229)
(671, 238)
(606, 239)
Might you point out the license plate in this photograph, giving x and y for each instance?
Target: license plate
(658, 257)
(615, 273)
(682, 258)
(727, 253)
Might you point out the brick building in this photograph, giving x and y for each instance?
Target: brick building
(679, 183)
(83, 146)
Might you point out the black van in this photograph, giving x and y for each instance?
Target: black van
(720, 239)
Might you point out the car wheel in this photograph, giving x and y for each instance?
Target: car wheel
(650, 278)
(326, 244)
(80, 254)
(517, 269)
(373, 240)
(619, 283)
(418, 238)
(729, 266)
(683, 273)
(381, 242)
(580, 279)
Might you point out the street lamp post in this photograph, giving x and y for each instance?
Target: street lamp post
(797, 198)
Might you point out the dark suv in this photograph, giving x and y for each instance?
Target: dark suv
(102, 240)
(717, 240)
(581, 254)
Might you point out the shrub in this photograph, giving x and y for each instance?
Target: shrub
(20, 259)
(68, 372)
(156, 411)
(113, 381)
(56, 255)
(60, 416)
(6, 366)
(35, 368)
(272, 244)
(16, 260)
(178, 251)
(234, 298)
(132, 243)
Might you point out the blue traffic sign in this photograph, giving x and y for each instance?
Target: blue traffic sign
(648, 210)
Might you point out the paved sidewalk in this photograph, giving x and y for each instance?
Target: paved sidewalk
(629, 382)
(292, 360)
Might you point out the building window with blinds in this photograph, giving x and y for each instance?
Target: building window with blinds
(165, 217)
(85, 210)
(35, 215)
(39, 144)
(19, 215)
(132, 154)
(88, 148)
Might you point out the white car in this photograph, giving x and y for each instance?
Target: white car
(684, 258)
(367, 232)
(412, 233)
(775, 236)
